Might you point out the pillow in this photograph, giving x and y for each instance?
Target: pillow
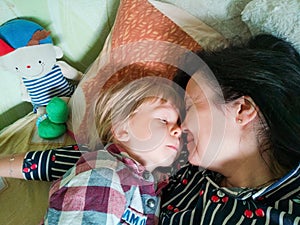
(206, 36)
(276, 17)
(223, 16)
(138, 44)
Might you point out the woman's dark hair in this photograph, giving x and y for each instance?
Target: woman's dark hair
(268, 70)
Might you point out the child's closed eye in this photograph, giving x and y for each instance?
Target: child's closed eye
(164, 121)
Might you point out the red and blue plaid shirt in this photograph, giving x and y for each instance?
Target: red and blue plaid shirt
(104, 187)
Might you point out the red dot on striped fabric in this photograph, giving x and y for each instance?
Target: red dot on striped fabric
(170, 207)
(225, 199)
(215, 198)
(259, 212)
(176, 210)
(260, 198)
(248, 213)
(184, 181)
(26, 170)
(33, 166)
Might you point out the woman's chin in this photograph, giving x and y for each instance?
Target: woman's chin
(194, 159)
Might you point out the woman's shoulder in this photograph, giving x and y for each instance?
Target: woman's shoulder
(201, 193)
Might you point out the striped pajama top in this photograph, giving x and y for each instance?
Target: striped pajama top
(194, 197)
(41, 90)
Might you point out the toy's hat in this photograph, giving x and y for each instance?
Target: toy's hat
(19, 33)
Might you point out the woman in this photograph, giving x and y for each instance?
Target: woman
(242, 127)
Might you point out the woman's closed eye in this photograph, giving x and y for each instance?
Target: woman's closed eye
(188, 107)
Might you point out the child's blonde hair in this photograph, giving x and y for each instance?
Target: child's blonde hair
(118, 103)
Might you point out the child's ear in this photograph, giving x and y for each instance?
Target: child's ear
(121, 133)
(246, 110)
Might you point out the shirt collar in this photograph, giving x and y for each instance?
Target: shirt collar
(123, 156)
(282, 188)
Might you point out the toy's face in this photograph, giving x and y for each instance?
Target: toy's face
(31, 61)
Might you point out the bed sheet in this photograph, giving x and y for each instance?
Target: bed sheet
(24, 202)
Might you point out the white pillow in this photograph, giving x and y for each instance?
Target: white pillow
(224, 16)
(280, 18)
(206, 36)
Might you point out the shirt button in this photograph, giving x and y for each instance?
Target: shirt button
(151, 203)
(146, 175)
(220, 194)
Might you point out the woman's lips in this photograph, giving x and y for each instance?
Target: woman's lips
(189, 139)
(189, 142)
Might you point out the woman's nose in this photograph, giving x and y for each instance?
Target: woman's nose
(183, 127)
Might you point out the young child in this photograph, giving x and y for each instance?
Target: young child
(139, 125)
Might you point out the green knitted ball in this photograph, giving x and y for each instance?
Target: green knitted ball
(49, 130)
(57, 110)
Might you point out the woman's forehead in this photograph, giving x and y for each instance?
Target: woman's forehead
(194, 89)
(199, 91)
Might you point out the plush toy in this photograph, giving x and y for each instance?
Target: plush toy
(27, 49)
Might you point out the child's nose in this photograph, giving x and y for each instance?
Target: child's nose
(176, 131)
